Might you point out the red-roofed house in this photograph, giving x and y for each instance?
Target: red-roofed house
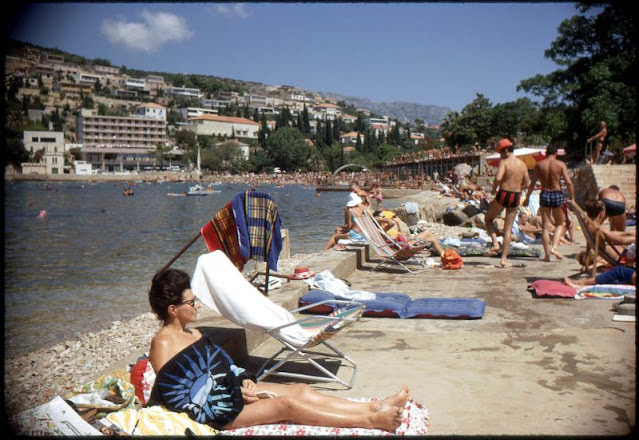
(349, 119)
(326, 110)
(416, 137)
(351, 137)
(214, 125)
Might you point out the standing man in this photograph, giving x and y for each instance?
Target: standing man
(512, 178)
(600, 137)
(550, 171)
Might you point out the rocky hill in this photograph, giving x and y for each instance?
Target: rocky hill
(403, 111)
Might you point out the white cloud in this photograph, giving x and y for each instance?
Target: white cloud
(233, 10)
(154, 31)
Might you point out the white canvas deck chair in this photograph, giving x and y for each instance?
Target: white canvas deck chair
(221, 287)
(391, 252)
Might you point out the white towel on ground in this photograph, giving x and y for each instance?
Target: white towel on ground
(326, 281)
(222, 287)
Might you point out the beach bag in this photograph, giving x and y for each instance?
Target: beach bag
(451, 260)
(142, 378)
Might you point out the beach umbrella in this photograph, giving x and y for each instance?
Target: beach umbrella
(462, 169)
(530, 156)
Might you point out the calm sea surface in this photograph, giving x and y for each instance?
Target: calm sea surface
(89, 261)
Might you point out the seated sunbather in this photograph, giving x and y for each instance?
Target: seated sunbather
(195, 376)
(616, 241)
(350, 230)
(529, 231)
(424, 238)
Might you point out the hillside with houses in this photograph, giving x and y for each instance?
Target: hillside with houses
(101, 117)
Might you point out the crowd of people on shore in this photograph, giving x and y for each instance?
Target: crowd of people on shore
(544, 216)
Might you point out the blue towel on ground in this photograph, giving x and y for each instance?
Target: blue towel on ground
(400, 305)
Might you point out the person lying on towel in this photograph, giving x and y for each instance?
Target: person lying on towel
(614, 275)
(195, 376)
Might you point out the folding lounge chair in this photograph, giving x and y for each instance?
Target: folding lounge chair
(221, 287)
(595, 243)
(392, 252)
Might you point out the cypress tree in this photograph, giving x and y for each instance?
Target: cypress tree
(307, 124)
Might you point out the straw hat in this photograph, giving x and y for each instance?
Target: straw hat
(301, 273)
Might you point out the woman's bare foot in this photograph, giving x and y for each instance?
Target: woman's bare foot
(387, 418)
(398, 399)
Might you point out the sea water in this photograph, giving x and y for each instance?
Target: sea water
(79, 256)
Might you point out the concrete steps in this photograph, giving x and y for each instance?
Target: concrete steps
(589, 180)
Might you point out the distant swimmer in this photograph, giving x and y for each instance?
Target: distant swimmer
(43, 213)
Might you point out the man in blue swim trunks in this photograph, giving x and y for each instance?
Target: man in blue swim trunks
(550, 172)
(511, 179)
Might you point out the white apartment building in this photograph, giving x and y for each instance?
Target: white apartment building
(105, 70)
(255, 100)
(117, 143)
(185, 91)
(191, 112)
(133, 83)
(152, 110)
(215, 103)
(52, 158)
(326, 111)
(213, 125)
(87, 78)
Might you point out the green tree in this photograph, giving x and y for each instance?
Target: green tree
(597, 52)
(287, 149)
(328, 133)
(306, 127)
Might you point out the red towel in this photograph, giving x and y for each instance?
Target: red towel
(552, 288)
(221, 234)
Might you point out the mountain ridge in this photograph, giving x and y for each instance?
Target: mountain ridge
(403, 111)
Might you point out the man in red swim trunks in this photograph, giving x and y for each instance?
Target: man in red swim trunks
(511, 179)
(550, 171)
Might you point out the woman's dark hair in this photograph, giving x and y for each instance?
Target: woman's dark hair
(167, 288)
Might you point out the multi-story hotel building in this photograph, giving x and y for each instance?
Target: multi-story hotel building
(116, 143)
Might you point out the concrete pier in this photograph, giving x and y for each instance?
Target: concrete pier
(530, 366)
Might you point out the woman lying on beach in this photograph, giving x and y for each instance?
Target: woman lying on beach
(197, 377)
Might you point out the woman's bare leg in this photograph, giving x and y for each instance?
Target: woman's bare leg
(305, 393)
(293, 410)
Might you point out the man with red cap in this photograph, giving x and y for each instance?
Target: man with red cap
(511, 179)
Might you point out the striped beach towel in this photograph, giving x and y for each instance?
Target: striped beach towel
(258, 227)
(220, 234)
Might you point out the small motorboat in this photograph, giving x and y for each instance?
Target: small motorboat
(199, 190)
(128, 192)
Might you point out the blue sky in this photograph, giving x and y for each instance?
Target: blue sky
(427, 53)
